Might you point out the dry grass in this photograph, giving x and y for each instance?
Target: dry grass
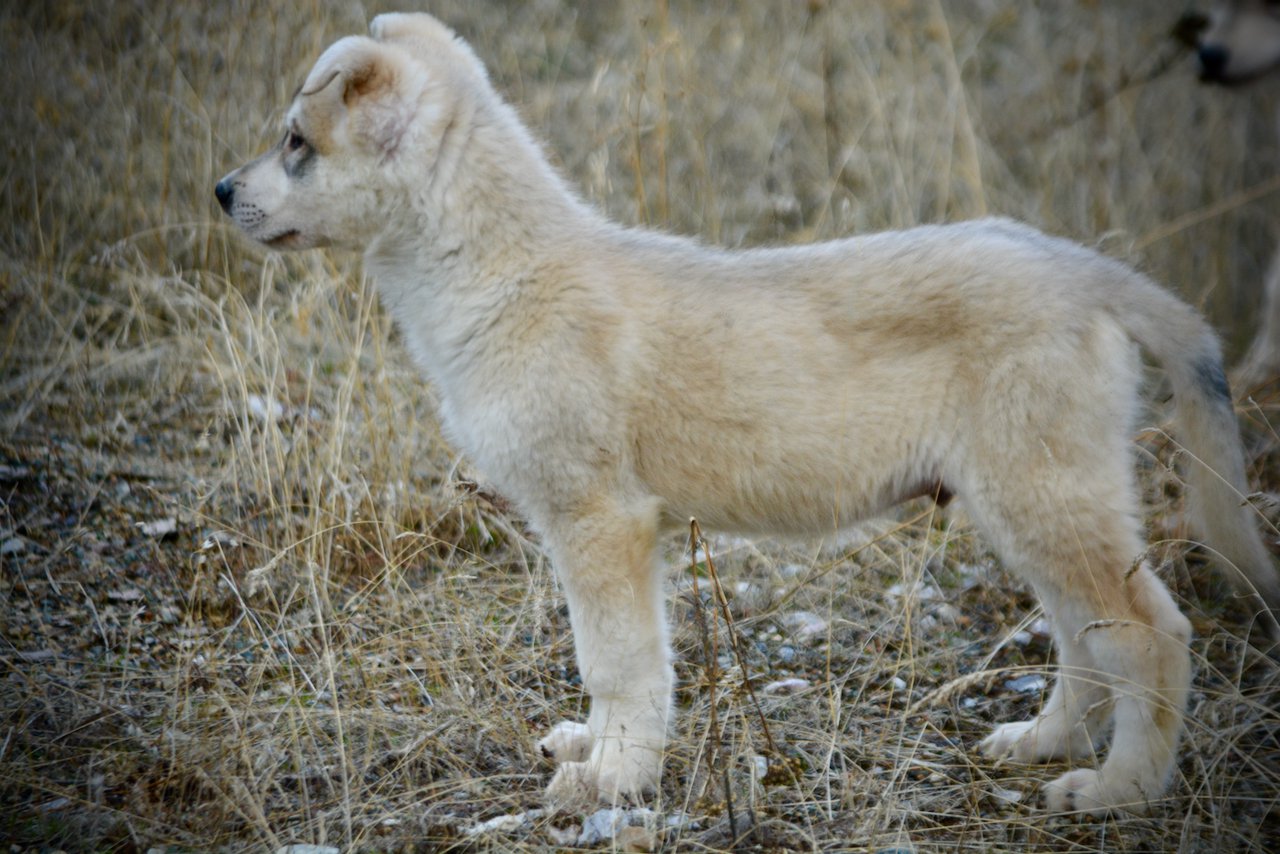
(336, 644)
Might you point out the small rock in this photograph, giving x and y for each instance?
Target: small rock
(1032, 683)
(805, 624)
(265, 409)
(225, 539)
(563, 836)
(36, 655)
(786, 686)
(922, 592)
(947, 612)
(749, 598)
(159, 528)
(1006, 796)
(13, 546)
(505, 823)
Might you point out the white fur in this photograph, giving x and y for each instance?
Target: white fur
(615, 382)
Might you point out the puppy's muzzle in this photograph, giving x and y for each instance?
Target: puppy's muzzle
(226, 192)
(1213, 61)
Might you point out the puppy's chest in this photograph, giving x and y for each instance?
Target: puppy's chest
(482, 429)
(496, 434)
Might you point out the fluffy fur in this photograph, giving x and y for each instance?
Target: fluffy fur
(615, 382)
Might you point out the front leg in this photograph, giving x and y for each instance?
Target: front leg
(606, 564)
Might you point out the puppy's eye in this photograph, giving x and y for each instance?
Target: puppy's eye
(293, 141)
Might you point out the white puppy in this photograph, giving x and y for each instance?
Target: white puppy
(615, 382)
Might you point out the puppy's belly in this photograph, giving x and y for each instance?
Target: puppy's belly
(802, 505)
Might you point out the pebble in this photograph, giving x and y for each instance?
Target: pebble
(1032, 683)
(159, 528)
(265, 409)
(805, 624)
(759, 767)
(947, 612)
(505, 823)
(786, 686)
(1007, 796)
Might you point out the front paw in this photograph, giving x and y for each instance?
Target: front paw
(568, 741)
(613, 776)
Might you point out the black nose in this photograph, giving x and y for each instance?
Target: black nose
(1213, 61)
(225, 192)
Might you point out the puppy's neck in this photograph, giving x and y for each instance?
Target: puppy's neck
(492, 205)
(478, 237)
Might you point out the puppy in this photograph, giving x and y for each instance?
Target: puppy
(1238, 40)
(1237, 43)
(615, 382)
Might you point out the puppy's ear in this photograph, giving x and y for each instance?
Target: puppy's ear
(355, 68)
(370, 89)
(424, 36)
(410, 28)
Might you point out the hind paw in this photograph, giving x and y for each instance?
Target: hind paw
(1034, 741)
(1088, 792)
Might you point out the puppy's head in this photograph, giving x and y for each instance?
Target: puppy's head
(1240, 40)
(363, 128)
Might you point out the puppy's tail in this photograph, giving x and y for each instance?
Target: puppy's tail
(1187, 348)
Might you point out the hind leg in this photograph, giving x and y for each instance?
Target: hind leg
(1072, 719)
(1122, 646)
(1139, 645)
(1050, 480)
